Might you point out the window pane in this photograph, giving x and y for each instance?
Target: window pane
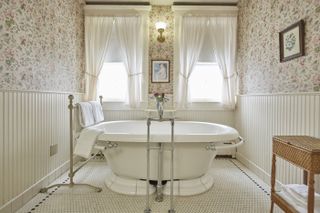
(113, 81)
(205, 83)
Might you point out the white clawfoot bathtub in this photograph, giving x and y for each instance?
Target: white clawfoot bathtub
(195, 148)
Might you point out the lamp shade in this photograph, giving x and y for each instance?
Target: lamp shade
(161, 25)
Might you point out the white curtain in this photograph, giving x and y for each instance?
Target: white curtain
(97, 36)
(129, 31)
(192, 36)
(224, 34)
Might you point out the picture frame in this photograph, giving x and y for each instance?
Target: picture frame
(160, 71)
(291, 41)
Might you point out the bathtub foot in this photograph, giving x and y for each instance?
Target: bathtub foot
(159, 193)
(171, 211)
(147, 211)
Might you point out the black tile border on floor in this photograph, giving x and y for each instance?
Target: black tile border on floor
(227, 159)
(47, 196)
(251, 178)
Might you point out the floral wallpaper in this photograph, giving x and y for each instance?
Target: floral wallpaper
(42, 45)
(161, 51)
(259, 66)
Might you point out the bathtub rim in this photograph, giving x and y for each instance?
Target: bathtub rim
(229, 134)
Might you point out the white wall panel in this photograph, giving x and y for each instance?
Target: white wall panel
(29, 123)
(259, 117)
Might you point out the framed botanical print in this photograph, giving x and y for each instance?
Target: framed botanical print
(292, 41)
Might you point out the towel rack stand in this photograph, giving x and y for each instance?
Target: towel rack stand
(73, 171)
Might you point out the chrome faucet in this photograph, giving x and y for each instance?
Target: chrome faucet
(160, 99)
(160, 108)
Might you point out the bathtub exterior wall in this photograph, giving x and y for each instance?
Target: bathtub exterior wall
(191, 160)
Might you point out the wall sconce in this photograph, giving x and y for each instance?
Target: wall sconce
(161, 26)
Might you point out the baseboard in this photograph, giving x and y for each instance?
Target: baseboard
(262, 174)
(224, 156)
(20, 200)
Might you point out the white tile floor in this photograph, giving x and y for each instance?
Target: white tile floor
(236, 189)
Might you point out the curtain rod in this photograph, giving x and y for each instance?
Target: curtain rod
(118, 3)
(204, 4)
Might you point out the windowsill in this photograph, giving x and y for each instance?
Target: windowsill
(195, 106)
(206, 106)
(120, 106)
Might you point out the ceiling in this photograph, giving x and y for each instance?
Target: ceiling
(163, 2)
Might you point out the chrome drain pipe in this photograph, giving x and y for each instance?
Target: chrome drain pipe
(148, 210)
(159, 194)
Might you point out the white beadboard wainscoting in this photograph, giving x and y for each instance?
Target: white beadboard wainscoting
(259, 117)
(29, 123)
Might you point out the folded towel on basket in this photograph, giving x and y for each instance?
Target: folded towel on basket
(85, 114)
(298, 193)
(292, 202)
(86, 141)
(97, 111)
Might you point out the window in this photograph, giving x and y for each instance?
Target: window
(122, 70)
(205, 83)
(113, 78)
(113, 82)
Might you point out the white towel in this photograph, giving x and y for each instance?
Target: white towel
(299, 195)
(287, 197)
(85, 114)
(97, 111)
(86, 141)
(301, 190)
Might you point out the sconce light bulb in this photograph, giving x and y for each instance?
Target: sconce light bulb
(161, 25)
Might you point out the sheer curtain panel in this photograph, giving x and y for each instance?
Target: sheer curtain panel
(192, 36)
(97, 36)
(224, 34)
(129, 31)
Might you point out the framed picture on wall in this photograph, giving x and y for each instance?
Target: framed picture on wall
(160, 71)
(292, 41)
